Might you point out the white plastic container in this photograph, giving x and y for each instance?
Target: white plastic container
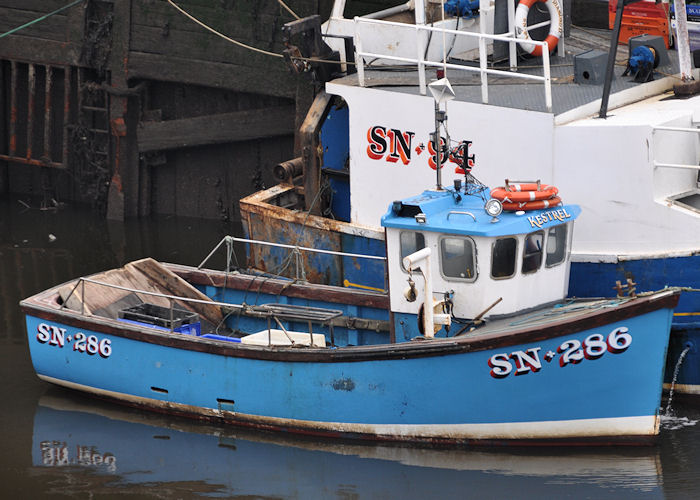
(278, 337)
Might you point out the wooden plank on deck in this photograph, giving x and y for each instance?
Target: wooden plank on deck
(147, 275)
(171, 284)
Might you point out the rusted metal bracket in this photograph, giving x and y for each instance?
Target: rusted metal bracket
(313, 54)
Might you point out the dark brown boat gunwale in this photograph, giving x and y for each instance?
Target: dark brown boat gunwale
(272, 286)
(37, 306)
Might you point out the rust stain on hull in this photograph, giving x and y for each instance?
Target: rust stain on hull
(274, 215)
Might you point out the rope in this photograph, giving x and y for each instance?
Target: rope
(288, 9)
(235, 42)
(40, 18)
(254, 49)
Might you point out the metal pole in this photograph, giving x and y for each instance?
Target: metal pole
(547, 78)
(438, 148)
(483, 60)
(611, 60)
(359, 58)
(512, 47)
(682, 42)
(172, 326)
(338, 8)
(421, 43)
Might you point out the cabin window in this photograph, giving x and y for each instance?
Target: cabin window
(457, 258)
(410, 242)
(503, 257)
(532, 254)
(556, 245)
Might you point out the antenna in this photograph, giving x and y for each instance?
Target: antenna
(442, 92)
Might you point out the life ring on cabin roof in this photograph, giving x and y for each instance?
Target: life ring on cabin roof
(526, 196)
(532, 205)
(523, 192)
(556, 27)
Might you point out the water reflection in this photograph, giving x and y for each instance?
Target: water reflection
(115, 448)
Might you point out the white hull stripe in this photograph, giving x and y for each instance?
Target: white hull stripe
(647, 425)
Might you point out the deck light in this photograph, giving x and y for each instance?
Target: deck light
(493, 207)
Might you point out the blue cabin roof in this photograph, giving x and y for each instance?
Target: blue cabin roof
(453, 212)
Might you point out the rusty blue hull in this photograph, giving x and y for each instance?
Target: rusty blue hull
(596, 378)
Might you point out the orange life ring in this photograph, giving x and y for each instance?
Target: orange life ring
(513, 193)
(556, 27)
(532, 205)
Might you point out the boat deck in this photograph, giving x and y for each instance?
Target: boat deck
(565, 311)
(519, 93)
(567, 317)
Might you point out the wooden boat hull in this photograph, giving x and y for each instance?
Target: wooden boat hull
(596, 379)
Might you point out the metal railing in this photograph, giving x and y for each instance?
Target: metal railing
(483, 70)
(171, 298)
(691, 130)
(291, 247)
(296, 251)
(272, 311)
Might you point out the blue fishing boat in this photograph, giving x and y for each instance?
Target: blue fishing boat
(475, 341)
(622, 140)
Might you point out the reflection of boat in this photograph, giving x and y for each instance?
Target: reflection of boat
(137, 448)
(635, 173)
(378, 366)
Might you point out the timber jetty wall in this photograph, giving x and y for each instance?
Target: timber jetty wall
(132, 107)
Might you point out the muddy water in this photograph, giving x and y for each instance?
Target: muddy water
(57, 443)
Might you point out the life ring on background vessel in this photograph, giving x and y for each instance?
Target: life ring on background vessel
(526, 196)
(556, 28)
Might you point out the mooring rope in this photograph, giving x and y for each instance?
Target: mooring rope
(288, 9)
(235, 42)
(255, 49)
(46, 16)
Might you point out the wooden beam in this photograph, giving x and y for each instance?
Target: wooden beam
(272, 81)
(216, 129)
(38, 51)
(51, 28)
(309, 141)
(4, 172)
(122, 197)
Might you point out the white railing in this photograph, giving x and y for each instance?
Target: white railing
(422, 63)
(677, 165)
